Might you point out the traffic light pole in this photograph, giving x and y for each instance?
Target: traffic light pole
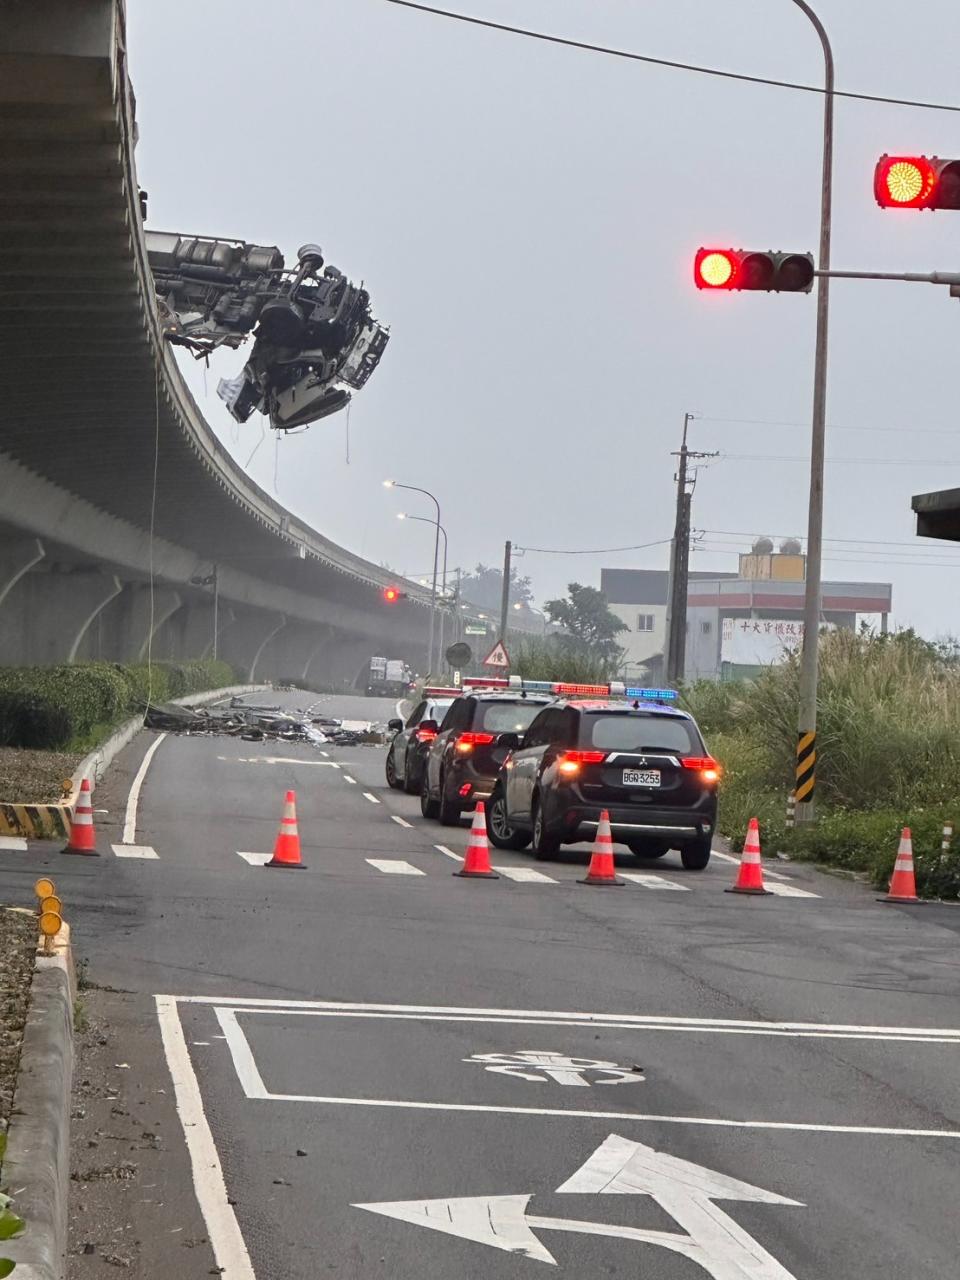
(807, 711)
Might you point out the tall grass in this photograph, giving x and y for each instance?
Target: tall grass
(888, 733)
(558, 658)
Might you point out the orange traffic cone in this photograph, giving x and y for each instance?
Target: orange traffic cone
(286, 850)
(602, 869)
(477, 860)
(83, 838)
(903, 885)
(750, 876)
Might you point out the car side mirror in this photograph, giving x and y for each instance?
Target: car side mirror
(509, 740)
(395, 725)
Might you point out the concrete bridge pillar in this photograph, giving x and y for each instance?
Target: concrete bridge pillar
(124, 629)
(46, 616)
(244, 642)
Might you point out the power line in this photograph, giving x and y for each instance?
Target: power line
(871, 542)
(773, 422)
(875, 462)
(892, 558)
(610, 52)
(594, 551)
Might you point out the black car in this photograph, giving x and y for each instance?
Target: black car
(465, 757)
(408, 749)
(645, 763)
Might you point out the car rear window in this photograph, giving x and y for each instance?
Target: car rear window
(637, 732)
(508, 717)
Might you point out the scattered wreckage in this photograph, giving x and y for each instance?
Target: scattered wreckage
(257, 723)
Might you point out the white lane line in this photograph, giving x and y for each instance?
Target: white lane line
(316, 764)
(732, 858)
(13, 843)
(133, 799)
(525, 875)
(651, 881)
(442, 848)
(243, 1059)
(394, 866)
(787, 890)
(401, 822)
(347, 778)
(560, 1113)
(134, 851)
(211, 1191)
(255, 859)
(325, 754)
(550, 1017)
(368, 795)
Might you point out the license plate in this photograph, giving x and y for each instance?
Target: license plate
(641, 777)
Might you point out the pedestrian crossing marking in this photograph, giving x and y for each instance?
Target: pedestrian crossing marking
(255, 859)
(13, 843)
(134, 851)
(394, 866)
(524, 875)
(787, 890)
(649, 881)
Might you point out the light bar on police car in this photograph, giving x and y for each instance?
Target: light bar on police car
(561, 688)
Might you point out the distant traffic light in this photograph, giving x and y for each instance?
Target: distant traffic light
(392, 594)
(752, 269)
(917, 182)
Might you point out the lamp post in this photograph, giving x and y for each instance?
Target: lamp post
(395, 484)
(403, 515)
(807, 711)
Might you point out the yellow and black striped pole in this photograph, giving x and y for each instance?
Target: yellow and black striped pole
(806, 766)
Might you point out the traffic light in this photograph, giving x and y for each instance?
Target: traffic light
(917, 182)
(392, 594)
(752, 269)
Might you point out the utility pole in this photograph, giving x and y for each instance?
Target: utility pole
(675, 644)
(505, 593)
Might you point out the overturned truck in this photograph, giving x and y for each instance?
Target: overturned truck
(314, 335)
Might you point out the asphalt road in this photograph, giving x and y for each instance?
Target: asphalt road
(488, 1076)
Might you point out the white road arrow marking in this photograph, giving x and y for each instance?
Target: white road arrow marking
(618, 1167)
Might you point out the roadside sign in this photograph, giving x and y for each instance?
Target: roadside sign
(473, 629)
(497, 657)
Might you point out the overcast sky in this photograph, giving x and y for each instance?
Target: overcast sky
(525, 218)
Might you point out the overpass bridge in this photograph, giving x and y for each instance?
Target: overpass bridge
(124, 523)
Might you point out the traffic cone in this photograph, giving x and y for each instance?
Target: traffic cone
(83, 838)
(477, 860)
(602, 869)
(903, 885)
(286, 850)
(750, 876)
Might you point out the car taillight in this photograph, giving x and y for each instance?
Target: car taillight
(426, 735)
(571, 762)
(467, 741)
(706, 766)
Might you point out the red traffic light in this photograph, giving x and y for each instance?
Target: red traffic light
(752, 269)
(917, 182)
(715, 269)
(391, 594)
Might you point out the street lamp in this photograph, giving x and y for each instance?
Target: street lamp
(412, 488)
(403, 515)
